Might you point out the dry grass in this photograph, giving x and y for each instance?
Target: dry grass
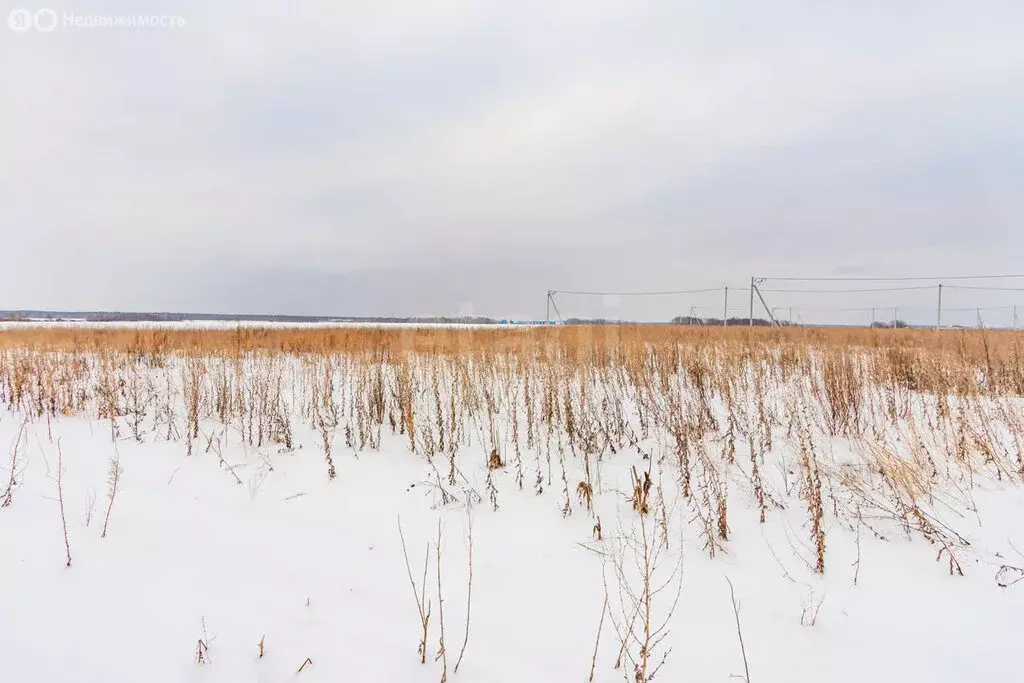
(856, 425)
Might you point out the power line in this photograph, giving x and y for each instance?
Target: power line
(680, 291)
(845, 291)
(986, 289)
(828, 309)
(865, 309)
(914, 284)
(980, 308)
(859, 290)
(891, 279)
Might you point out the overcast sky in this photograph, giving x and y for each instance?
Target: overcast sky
(451, 157)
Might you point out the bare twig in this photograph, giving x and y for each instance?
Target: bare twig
(597, 640)
(9, 493)
(469, 586)
(422, 606)
(114, 478)
(214, 441)
(203, 645)
(1008, 575)
(60, 499)
(739, 631)
(442, 652)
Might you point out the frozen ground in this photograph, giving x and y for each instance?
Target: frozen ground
(225, 324)
(315, 569)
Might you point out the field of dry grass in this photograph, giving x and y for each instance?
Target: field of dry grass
(918, 412)
(881, 433)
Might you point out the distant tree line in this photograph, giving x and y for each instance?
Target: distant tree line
(693, 320)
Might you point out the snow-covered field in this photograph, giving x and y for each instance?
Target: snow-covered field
(222, 324)
(246, 558)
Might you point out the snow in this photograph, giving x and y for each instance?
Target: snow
(315, 568)
(228, 324)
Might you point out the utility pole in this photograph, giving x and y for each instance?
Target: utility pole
(872, 317)
(725, 308)
(551, 302)
(1015, 316)
(938, 317)
(751, 300)
(895, 316)
(771, 316)
(790, 315)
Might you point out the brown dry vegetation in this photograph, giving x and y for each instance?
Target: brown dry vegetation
(876, 429)
(927, 360)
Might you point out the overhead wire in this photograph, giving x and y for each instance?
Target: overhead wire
(986, 289)
(901, 278)
(938, 282)
(845, 291)
(662, 293)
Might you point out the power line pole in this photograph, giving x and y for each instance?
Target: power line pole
(771, 316)
(895, 316)
(938, 317)
(725, 308)
(1015, 316)
(751, 300)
